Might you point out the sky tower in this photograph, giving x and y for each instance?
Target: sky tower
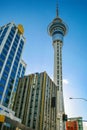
(57, 29)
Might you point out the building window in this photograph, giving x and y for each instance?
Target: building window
(1, 88)
(58, 67)
(53, 102)
(5, 75)
(8, 42)
(10, 58)
(34, 123)
(6, 100)
(8, 63)
(13, 30)
(5, 51)
(0, 96)
(15, 44)
(1, 63)
(8, 93)
(57, 76)
(3, 81)
(9, 86)
(2, 57)
(7, 68)
(10, 38)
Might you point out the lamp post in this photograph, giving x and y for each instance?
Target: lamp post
(79, 98)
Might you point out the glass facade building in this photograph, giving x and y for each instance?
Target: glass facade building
(11, 65)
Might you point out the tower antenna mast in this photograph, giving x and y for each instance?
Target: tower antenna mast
(57, 11)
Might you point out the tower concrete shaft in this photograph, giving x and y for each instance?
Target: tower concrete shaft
(57, 29)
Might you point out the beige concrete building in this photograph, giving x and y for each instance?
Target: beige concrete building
(35, 101)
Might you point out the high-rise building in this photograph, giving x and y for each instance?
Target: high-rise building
(75, 123)
(35, 101)
(11, 65)
(20, 73)
(57, 29)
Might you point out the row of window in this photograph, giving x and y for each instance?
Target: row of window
(3, 54)
(3, 34)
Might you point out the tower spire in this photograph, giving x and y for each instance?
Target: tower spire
(57, 9)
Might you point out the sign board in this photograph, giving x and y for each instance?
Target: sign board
(2, 118)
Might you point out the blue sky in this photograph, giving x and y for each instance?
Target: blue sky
(35, 16)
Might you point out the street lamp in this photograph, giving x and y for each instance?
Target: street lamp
(79, 98)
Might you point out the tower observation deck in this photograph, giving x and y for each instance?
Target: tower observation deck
(58, 29)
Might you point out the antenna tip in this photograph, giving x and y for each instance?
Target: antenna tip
(57, 9)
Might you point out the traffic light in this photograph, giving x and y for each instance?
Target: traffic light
(64, 117)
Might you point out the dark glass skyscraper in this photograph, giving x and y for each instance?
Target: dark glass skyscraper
(11, 65)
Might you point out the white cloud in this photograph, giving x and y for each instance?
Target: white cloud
(85, 126)
(65, 81)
